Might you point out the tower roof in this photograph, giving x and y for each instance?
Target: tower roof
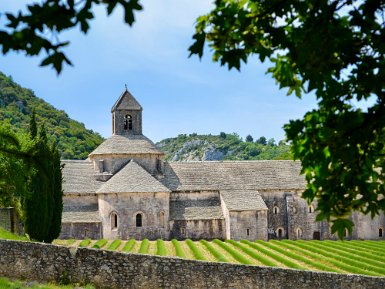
(126, 101)
(126, 144)
(132, 178)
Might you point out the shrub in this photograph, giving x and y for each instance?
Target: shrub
(236, 255)
(144, 246)
(178, 249)
(196, 252)
(114, 245)
(215, 253)
(100, 244)
(254, 254)
(85, 243)
(129, 245)
(160, 248)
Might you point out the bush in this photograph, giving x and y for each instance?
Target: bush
(236, 255)
(144, 246)
(129, 246)
(85, 243)
(254, 254)
(178, 249)
(196, 252)
(100, 244)
(114, 245)
(215, 253)
(160, 248)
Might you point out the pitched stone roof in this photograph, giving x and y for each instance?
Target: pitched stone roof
(132, 178)
(78, 177)
(243, 200)
(195, 210)
(81, 217)
(126, 101)
(126, 144)
(233, 175)
(81, 214)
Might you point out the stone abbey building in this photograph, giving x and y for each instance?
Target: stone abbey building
(125, 189)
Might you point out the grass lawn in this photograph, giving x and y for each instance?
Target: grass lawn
(16, 284)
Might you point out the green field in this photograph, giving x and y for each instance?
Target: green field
(5, 283)
(358, 257)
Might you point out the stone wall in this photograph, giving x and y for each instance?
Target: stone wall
(107, 269)
(8, 219)
(127, 206)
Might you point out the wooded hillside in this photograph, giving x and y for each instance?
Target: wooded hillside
(16, 105)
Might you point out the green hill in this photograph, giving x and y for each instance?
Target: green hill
(195, 147)
(16, 105)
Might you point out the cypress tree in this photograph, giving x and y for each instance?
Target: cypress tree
(43, 205)
(57, 195)
(37, 212)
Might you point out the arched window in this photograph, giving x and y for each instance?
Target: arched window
(310, 209)
(275, 210)
(380, 232)
(114, 220)
(161, 219)
(299, 233)
(280, 233)
(128, 122)
(139, 220)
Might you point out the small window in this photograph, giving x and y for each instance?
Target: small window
(275, 210)
(183, 231)
(280, 233)
(299, 233)
(128, 122)
(248, 232)
(158, 165)
(139, 220)
(114, 220)
(380, 232)
(161, 219)
(310, 209)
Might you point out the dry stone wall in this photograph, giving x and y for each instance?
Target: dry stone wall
(106, 269)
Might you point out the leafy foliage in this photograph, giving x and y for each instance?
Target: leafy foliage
(74, 141)
(334, 49)
(220, 147)
(37, 29)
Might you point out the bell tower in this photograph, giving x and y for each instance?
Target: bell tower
(126, 115)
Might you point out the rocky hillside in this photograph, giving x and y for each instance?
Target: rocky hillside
(16, 105)
(195, 147)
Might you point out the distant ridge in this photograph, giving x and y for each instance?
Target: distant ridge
(196, 147)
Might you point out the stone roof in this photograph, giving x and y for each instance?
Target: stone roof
(233, 175)
(132, 178)
(206, 209)
(78, 177)
(81, 214)
(126, 144)
(81, 217)
(126, 101)
(243, 200)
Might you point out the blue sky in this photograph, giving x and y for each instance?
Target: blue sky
(178, 94)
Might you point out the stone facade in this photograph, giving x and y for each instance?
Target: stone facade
(126, 190)
(107, 269)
